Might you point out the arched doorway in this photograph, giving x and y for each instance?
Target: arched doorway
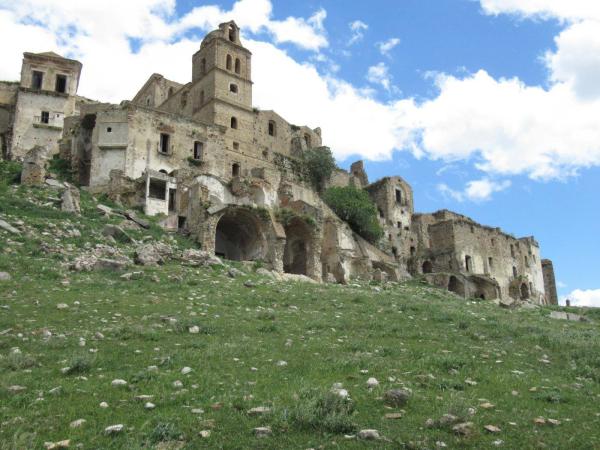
(427, 267)
(524, 291)
(456, 286)
(297, 254)
(239, 236)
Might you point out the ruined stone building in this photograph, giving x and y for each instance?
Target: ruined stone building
(201, 156)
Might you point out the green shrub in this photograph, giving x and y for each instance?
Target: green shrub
(322, 411)
(62, 169)
(320, 164)
(355, 207)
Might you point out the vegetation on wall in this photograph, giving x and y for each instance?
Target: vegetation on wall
(356, 208)
(285, 216)
(320, 165)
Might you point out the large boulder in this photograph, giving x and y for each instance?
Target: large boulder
(116, 232)
(34, 166)
(88, 263)
(195, 257)
(153, 253)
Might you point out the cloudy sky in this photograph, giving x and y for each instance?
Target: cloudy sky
(487, 107)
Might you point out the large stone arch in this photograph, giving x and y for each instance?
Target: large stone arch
(243, 233)
(302, 249)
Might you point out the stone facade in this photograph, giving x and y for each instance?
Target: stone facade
(32, 112)
(232, 177)
(549, 282)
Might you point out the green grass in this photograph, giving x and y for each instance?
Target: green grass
(453, 355)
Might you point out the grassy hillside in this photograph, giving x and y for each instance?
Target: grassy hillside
(256, 342)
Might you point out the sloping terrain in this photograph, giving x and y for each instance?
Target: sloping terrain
(200, 356)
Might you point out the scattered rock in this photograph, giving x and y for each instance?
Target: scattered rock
(186, 370)
(77, 423)
(369, 435)
(195, 257)
(259, 411)
(492, 429)
(539, 421)
(8, 227)
(62, 306)
(15, 389)
(114, 429)
(463, 429)
(205, 434)
(554, 422)
(104, 210)
(56, 445)
(281, 363)
(103, 405)
(396, 397)
(249, 284)
(131, 215)
(560, 315)
(261, 432)
(5, 276)
(118, 382)
(394, 416)
(372, 383)
(70, 200)
(195, 329)
(149, 405)
(117, 233)
(234, 273)
(152, 254)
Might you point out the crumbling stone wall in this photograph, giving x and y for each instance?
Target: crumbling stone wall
(549, 282)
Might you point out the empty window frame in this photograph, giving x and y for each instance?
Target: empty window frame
(237, 66)
(515, 273)
(234, 123)
(233, 88)
(468, 263)
(228, 62)
(198, 150)
(164, 144)
(157, 189)
(236, 145)
(490, 263)
(232, 33)
(203, 66)
(272, 128)
(398, 196)
(45, 117)
(37, 79)
(235, 170)
(61, 84)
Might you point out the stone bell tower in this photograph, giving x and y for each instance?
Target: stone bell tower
(221, 80)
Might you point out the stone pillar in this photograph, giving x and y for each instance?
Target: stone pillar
(549, 282)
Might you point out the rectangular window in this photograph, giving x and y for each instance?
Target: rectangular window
(198, 150)
(158, 189)
(164, 143)
(61, 83)
(398, 196)
(45, 117)
(491, 262)
(37, 79)
(468, 263)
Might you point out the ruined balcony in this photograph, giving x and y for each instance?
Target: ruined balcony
(48, 122)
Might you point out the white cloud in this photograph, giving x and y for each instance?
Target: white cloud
(579, 297)
(387, 46)
(570, 10)
(380, 74)
(476, 190)
(358, 29)
(561, 285)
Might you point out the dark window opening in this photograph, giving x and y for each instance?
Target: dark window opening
(201, 98)
(491, 263)
(427, 267)
(61, 83)
(390, 236)
(493, 241)
(37, 79)
(413, 250)
(237, 65)
(198, 150)
(472, 229)
(524, 292)
(512, 251)
(234, 123)
(265, 154)
(381, 213)
(526, 261)
(395, 252)
(271, 128)
(232, 33)
(108, 129)
(158, 189)
(307, 140)
(181, 222)
(399, 224)
(515, 273)
(170, 94)
(45, 117)
(236, 145)
(468, 263)
(184, 98)
(172, 199)
(228, 62)
(164, 143)
(233, 88)
(203, 66)
(235, 170)
(398, 196)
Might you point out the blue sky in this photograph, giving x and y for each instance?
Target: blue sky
(490, 108)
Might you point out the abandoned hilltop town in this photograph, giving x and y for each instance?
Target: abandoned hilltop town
(214, 167)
